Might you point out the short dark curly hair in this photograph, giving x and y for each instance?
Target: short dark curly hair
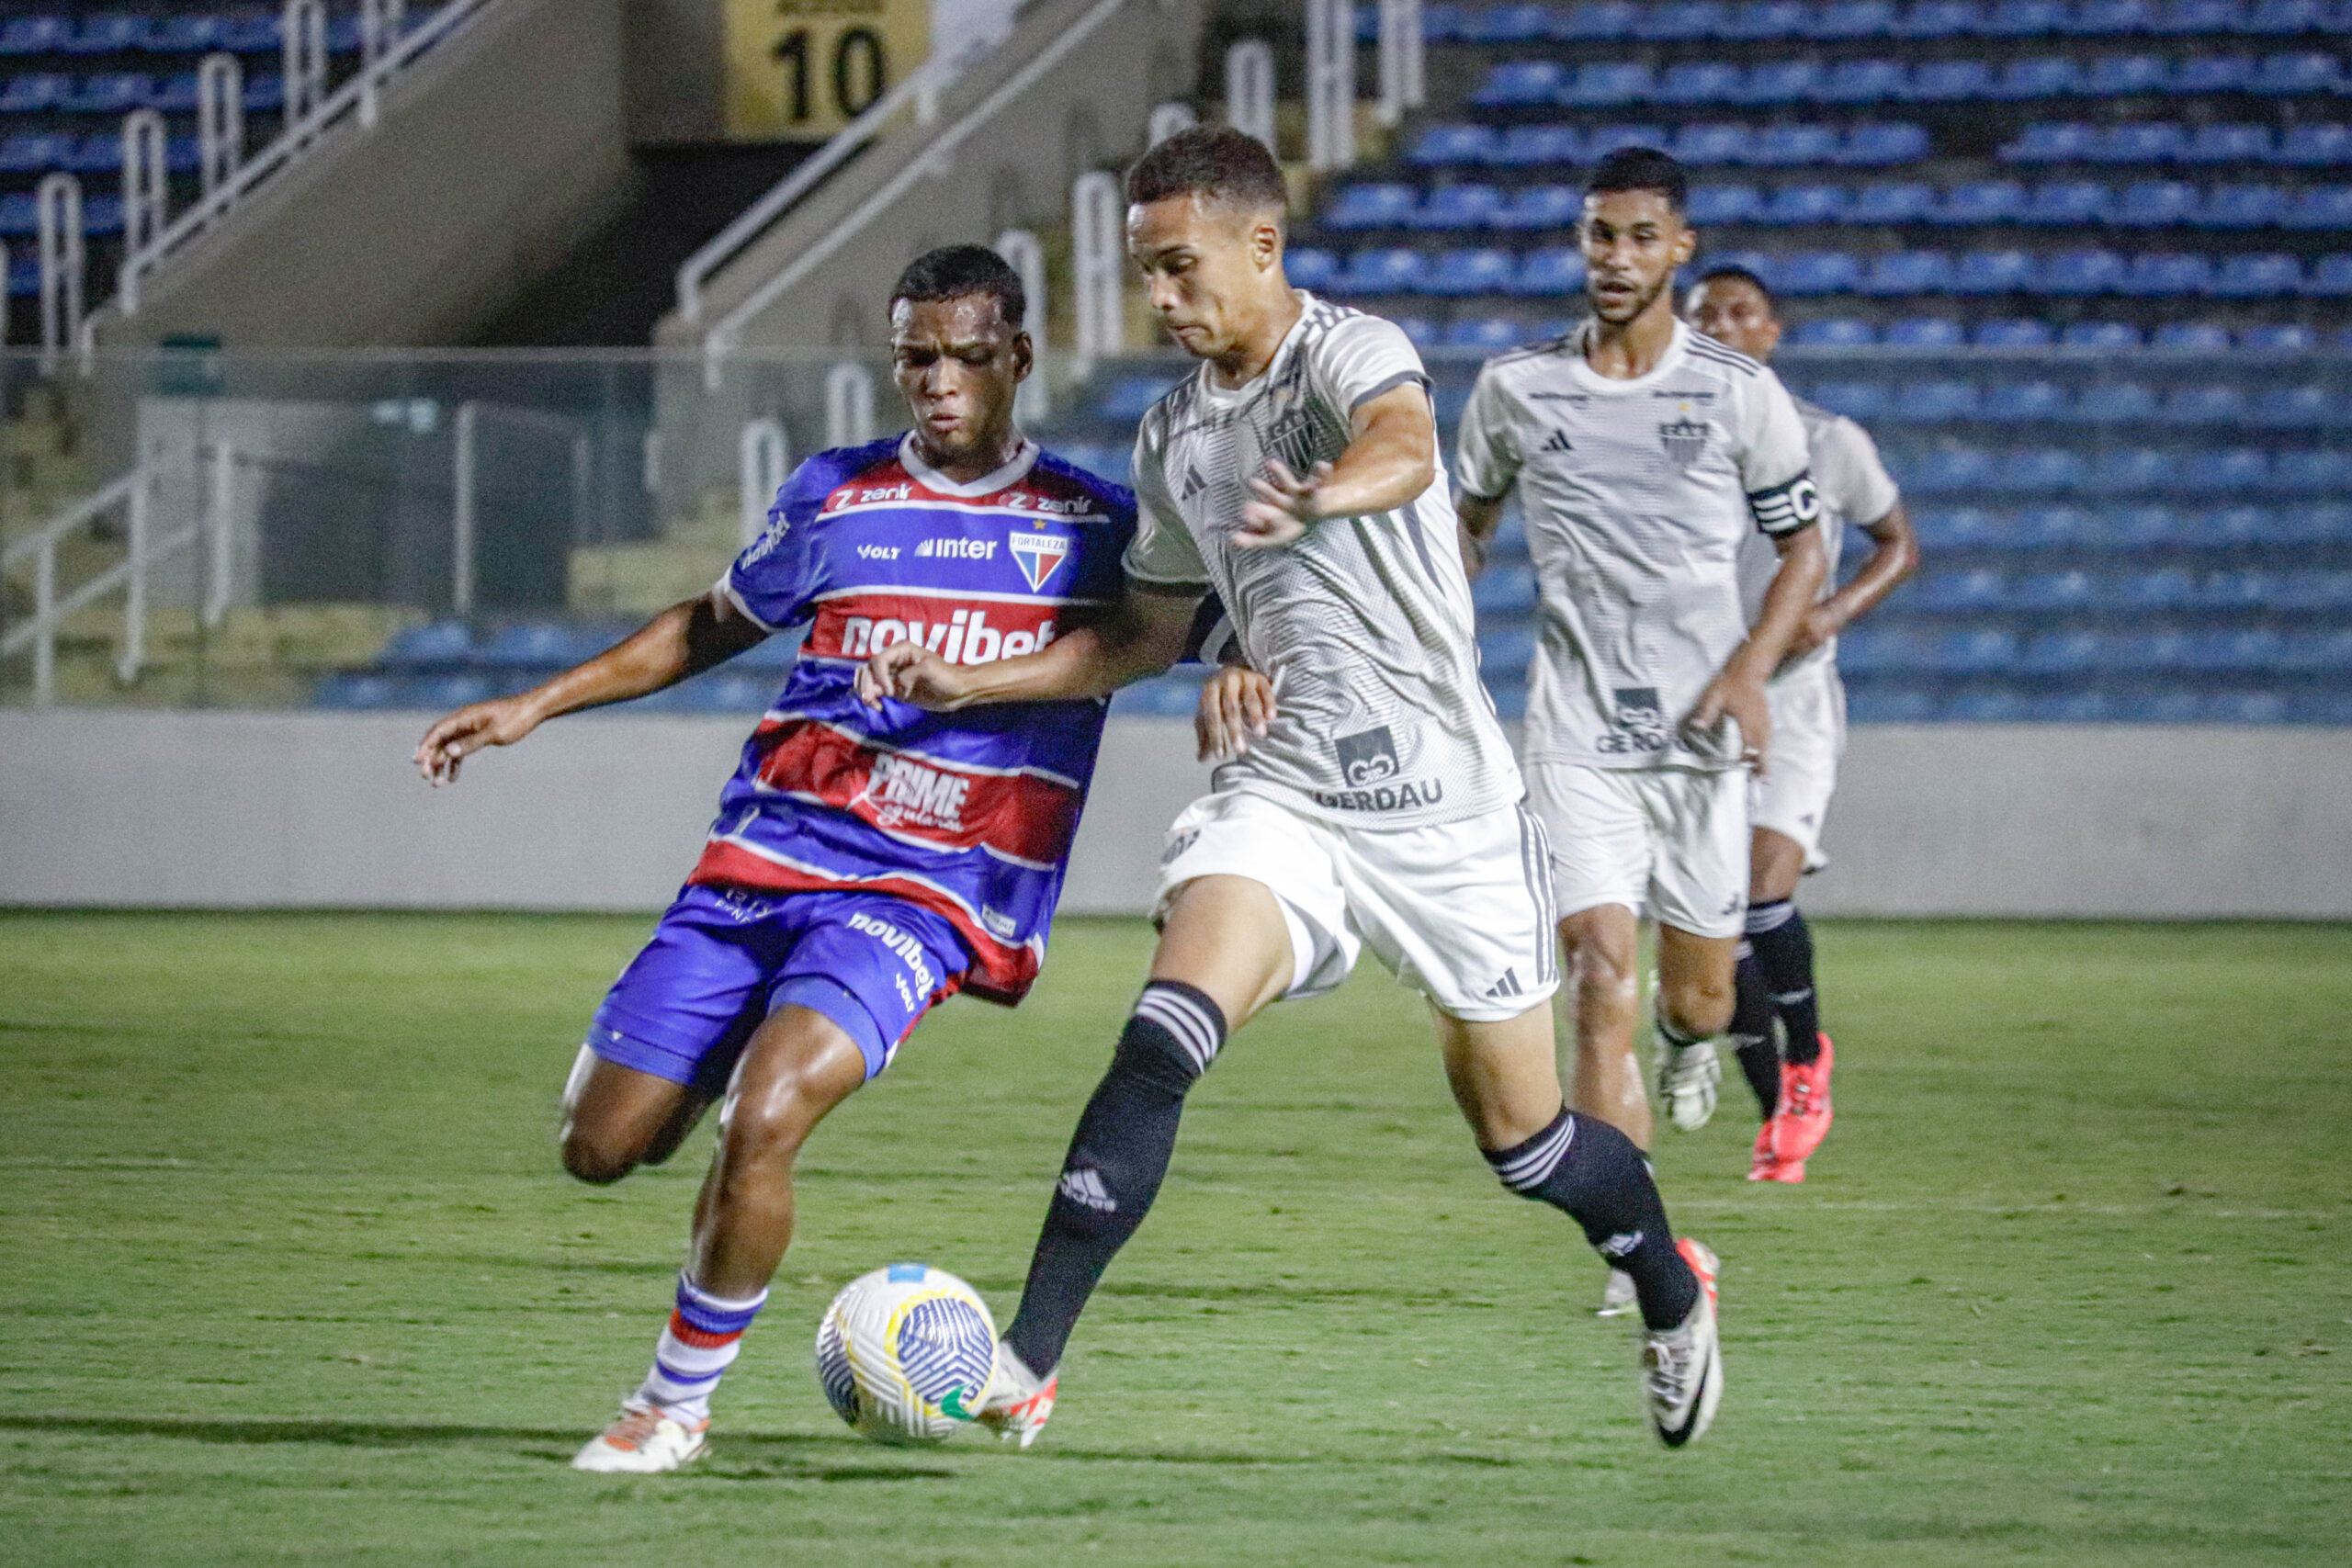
(1641, 168)
(1732, 272)
(953, 271)
(1216, 162)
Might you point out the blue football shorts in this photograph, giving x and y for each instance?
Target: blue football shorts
(721, 961)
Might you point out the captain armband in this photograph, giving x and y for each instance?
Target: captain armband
(1784, 508)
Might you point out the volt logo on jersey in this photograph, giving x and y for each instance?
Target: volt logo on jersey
(1039, 555)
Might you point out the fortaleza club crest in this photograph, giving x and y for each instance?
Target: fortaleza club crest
(1039, 555)
(1684, 440)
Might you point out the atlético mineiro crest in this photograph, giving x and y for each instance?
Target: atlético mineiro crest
(1684, 440)
(1040, 555)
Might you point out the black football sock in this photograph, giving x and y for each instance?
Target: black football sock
(1751, 1032)
(1588, 1169)
(1784, 953)
(1115, 1162)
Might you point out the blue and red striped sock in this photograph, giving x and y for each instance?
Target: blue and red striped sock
(699, 1343)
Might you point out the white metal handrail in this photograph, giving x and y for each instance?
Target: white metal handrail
(220, 119)
(1330, 85)
(50, 610)
(1404, 81)
(346, 101)
(63, 265)
(724, 334)
(1250, 89)
(1025, 256)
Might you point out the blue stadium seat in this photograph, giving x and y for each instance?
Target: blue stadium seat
(2114, 403)
(2108, 19)
(1707, 144)
(1900, 272)
(1855, 400)
(540, 645)
(1534, 146)
(182, 33)
(2231, 142)
(2225, 527)
(264, 92)
(2082, 272)
(1892, 201)
(2051, 528)
(1370, 206)
(2199, 72)
(1877, 651)
(1506, 647)
(1777, 82)
(2238, 590)
(1507, 24)
(1838, 21)
(24, 277)
(102, 215)
(1553, 270)
(1864, 82)
(1457, 206)
(19, 214)
(1806, 205)
(1311, 267)
(1380, 270)
(2023, 19)
(1936, 401)
(2023, 403)
(2065, 204)
(2099, 334)
(2284, 18)
(2261, 275)
(1699, 82)
(2140, 528)
(1807, 272)
(2202, 403)
(112, 93)
(2308, 72)
(1420, 331)
(1717, 204)
(2192, 19)
(1539, 206)
(2052, 141)
(2297, 408)
(36, 93)
(2316, 591)
(1950, 82)
(1678, 22)
(33, 152)
(1505, 591)
(2054, 593)
(1442, 146)
(1488, 333)
(2126, 75)
(2249, 206)
(2278, 337)
(1977, 651)
(2039, 76)
(2148, 204)
(35, 35)
(2027, 332)
(1792, 146)
(1883, 144)
(2161, 274)
(1925, 332)
(106, 33)
(2330, 278)
(2234, 469)
(1608, 138)
(2038, 470)
(1833, 332)
(1130, 398)
(2322, 471)
(1982, 201)
(2317, 652)
(1608, 86)
(2319, 207)
(438, 644)
(1930, 20)
(1484, 270)
(2138, 141)
(1947, 470)
(1766, 22)
(1944, 529)
(2166, 589)
(1597, 23)
(1956, 592)
(1993, 272)
(1522, 83)
(2315, 146)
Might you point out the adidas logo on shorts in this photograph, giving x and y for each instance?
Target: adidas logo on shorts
(1507, 986)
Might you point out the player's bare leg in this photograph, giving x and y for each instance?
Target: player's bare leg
(1601, 968)
(1224, 954)
(1694, 1006)
(1505, 1077)
(617, 1118)
(797, 1066)
(1775, 986)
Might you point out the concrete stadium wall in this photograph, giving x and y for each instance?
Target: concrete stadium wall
(296, 809)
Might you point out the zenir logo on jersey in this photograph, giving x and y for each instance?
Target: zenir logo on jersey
(1039, 555)
(1685, 440)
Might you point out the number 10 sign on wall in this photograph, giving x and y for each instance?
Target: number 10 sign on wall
(801, 69)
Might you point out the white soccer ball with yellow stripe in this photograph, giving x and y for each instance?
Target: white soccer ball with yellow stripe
(904, 1354)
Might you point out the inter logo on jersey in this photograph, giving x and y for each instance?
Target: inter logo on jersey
(1040, 556)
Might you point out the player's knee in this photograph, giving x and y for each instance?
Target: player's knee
(1602, 967)
(591, 1155)
(1698, 1005)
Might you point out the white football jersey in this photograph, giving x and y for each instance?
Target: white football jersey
(1855, 488)
(1365, 625)
(1639, 495)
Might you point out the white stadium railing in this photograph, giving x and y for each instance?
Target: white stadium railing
(1250, 89)
(1404, 85)
(1330, 85)
(130, 574)
(1026, 255)
(764, 455)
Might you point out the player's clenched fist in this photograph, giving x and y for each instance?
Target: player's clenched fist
(1236, 703)
(912, 673)
(467, 730)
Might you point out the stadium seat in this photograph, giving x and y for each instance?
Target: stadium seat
(2107, 19)
(1925, 332)
(1370, 206)
(2232, 142)
(1982, 201)
(2049, 141)
(1854, 399)
(1485, 270)
(1311, 267)
(1522, 83)
(1698, 82)
(2066, 204)
(1892, 201)
(1993, 272)
(1946, 529)
(1487, 333)
(2126, 75)
(2149, 204)
(1864, 82)
(355, 692)
(1442, 146)
(2284, 18)
(2114, 403)
(1678, 22)
(1130, 397)
(1833, 332)
(2082, 272)
(33, 152)
(1901, 273)
(2330, 278)
(1507, 24)
(2050, 528)
(539, 645)
(1552, 271)
(1980, 651)
(2018, 333)
(2022, 18)
(2249, 206)
(2138, 141)
(1718, 204)
(2202, 403)
(2321, 471)
(1457, 206)
(2236, 590)
(1765, 22)
(1930, 20)
(1838, 21)
(248, 33)
(1949, 471)
(1539, 206)
(1809, 273)
(1611, 84)
(1380, 270)
(1881, 144)
(1505, 591)
(2319, 207)
(2060, 653)
(182, 33)
(1806, 205)
(1595, 22)
(1936, 401)
(2296, 408)
(35, 35)
(1951, 81)
(2099, 334)
(2315, 146)
(2166, 275)
(2200, 73)
(2038, 470)
(1959, 593)
(2262, 275)
(2054, 592)
(1608, 138)
(2281, 337)
(1534, 146)
(1709, 144)
(2039, 76)
(36, 93)
(2308, 72)
(1792, 146)
(1779, 83)
(2190, 19)
(2023, 403)
(438, 644)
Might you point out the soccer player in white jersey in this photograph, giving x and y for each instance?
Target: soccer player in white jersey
(1643, 454)
(1296, 473)
(1788, 803)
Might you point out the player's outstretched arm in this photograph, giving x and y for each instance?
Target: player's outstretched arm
(1738, 688)
(1894, 555)
(1143, 637)
(682, 641)
(1391, 457)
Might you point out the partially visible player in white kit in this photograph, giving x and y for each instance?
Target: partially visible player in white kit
(1296, 473)
(1643, 455)
(1789, 800)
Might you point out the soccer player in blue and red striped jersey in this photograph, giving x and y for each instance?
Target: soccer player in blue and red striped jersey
(865, 864)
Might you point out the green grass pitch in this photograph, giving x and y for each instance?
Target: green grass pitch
(291, 1274)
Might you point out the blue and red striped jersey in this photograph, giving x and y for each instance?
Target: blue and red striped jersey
(968, 814)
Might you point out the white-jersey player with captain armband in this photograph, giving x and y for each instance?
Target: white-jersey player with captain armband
(1296, 474)
(1644, 455)
(1788, 804)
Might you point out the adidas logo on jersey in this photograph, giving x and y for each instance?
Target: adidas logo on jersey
(1507, 986)
(1559, 441)
(1083, 1186)
(958, 549)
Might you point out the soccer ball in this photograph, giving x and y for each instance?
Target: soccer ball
(904, 1354)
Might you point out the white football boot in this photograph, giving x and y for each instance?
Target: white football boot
(1018, 1402)
(1682, 1368)
(643, 1442)
(1618, 1297)
(1688, 1077)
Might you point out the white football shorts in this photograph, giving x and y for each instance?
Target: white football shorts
(1670, 841)
(1461, 911)
(1808, 737)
